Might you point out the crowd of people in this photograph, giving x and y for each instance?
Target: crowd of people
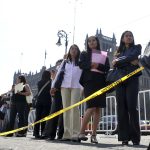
(82, 73)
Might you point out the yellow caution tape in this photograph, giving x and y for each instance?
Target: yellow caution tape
(99, 92)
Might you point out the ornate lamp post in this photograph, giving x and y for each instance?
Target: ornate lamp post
(62, 34)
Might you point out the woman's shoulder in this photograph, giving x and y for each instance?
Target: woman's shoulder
(138, 46)
(84, 53)
(41, 83)
(26, 86)
(136, 49)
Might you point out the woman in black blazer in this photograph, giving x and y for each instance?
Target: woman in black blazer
(43, 104)
(127, 93)
(93, 79)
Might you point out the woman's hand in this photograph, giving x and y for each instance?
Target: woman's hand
(65, 56)
(52, 91)
(135, 62)
(94, 65)
(114, 62)
(20, 93)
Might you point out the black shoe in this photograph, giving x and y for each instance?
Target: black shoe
(50, 139)
(82, 137)
(44, 137)
(75, 139)
(124, 143)
(136, 143)
(94, 139)
(59, 138)
(9, 135)
(37, 137)
(20, 135)
(65, 139)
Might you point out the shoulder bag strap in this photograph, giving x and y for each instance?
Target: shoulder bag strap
(43, 87)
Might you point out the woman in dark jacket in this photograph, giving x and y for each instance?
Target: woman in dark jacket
(95, 65)
(127, 93)
(43, 104)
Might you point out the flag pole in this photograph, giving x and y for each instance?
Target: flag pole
(45, 57)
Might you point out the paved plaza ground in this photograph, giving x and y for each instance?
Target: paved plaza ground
(106, 142)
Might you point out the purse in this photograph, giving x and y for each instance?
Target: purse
(60, 76)
(29, 98)
(35, 98)
(114, 75)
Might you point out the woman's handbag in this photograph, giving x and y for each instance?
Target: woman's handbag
(29, 98)
(114, 75)
(35, 98)
(60, 76)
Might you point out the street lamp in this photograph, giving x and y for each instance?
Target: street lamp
(62, 34)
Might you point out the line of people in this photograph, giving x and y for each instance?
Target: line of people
(86, 72)
(83, 72)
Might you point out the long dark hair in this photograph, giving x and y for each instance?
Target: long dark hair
(98, 44)
(22, 79)
(77, 57)
(122, 44)
(46, 76)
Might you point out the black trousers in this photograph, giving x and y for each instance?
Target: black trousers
(22, 109)
(42, 110)
(51, 125)
(128, 116)
(26, 114)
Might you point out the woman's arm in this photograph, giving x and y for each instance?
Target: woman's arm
(62, 66)
(27, 91)
(84, 62)
(135, 52)
(105, 68)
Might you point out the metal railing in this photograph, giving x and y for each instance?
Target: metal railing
(108, 120)
(144, 110)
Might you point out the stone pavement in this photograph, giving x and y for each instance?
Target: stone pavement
(106, 142)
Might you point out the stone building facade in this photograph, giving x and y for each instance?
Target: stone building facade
(107, 44)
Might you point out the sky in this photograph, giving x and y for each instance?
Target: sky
(28, 28)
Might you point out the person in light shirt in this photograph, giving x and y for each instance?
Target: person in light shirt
(70, 92)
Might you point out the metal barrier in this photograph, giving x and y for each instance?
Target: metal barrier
(108, 120)
(144, 110)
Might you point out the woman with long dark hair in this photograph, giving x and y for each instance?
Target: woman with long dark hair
(127, 93)
(70, 92)
(43, 104)
(19, 105)
(95, 65)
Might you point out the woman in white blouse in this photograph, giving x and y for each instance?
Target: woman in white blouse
(71, 91)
